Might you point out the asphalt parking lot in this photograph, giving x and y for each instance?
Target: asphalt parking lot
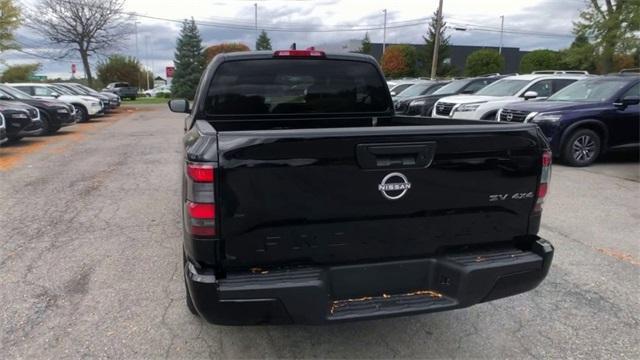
(90, 264)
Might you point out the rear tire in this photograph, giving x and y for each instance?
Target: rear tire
(189, 302)
(581, 148)
(190, 305)
(83, 114)
(47, 127)
(133, 98)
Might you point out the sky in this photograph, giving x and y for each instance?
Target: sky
(528, 24)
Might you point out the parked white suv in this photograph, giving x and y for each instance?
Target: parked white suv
(484, 104)
(85, 106)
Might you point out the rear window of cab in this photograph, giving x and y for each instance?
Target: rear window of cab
(296, 86)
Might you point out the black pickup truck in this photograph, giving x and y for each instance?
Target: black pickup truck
(306, 200)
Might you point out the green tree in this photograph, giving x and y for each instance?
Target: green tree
(189, 61)
(9, 22)
(365, 47)
(17, 73)
(443, 48)
(483, 61)
(122, 68)
(263, 42)
(540, 60)
(613, 26)
(579, 56)
(399, 61)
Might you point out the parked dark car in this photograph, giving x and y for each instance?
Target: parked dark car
(586, 118)
(306, 200)
(422, 105)
(54, 114)
(425, 87)
(20, 120)
(114, 99)
(122, 89)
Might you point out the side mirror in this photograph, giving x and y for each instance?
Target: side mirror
(530, 95)
(466, 92)
(55, 95)
(179, 105)
(393, 93)
(629, 100)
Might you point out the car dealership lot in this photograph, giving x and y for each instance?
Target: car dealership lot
(90, 264)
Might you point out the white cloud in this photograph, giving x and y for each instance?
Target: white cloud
(156, 38)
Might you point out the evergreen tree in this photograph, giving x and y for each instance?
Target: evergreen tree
(189, 61)
(443, 49)
(263, 42)
(365, 48)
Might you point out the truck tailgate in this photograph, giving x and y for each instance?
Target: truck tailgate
(316, 196)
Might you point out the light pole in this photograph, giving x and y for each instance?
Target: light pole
(135, 25)
(501, 32)
(384, 32)
(436, 42)
(146, 56)
(255, 12)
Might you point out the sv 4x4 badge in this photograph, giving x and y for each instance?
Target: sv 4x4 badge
(394, 186)
(516, 196)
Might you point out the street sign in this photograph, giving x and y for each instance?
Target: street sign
(169, 71)
(38, 77)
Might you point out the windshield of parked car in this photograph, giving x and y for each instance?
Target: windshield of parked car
(503, 87)
(15, 93)
(76, 89)
(86, 88)
(417, 89)
(70, 89)
(398, 89)
(60, 90)
(452, 88)
(279, 86)
(590, 90)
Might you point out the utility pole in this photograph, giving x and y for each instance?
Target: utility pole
(501, 32)
(255, 8)
(436, 43)
(135, 26)
(146, 51)
(384, 32)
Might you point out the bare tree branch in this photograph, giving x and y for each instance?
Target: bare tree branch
(89, 27)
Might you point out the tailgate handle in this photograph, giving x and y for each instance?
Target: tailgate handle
(395, 156)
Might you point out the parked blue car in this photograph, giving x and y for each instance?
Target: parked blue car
(586, 118)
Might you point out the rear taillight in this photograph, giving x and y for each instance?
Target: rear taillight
(200, 209)
(298, 53)
(201, 219)
(545, 178)
(200, 172)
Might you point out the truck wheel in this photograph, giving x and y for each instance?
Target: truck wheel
(582, 148)
(190, 305)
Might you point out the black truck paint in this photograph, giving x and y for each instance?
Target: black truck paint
(319, 218)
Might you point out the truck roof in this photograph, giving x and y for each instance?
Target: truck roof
(268, 54)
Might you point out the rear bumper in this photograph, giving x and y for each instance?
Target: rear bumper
(317, 295)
